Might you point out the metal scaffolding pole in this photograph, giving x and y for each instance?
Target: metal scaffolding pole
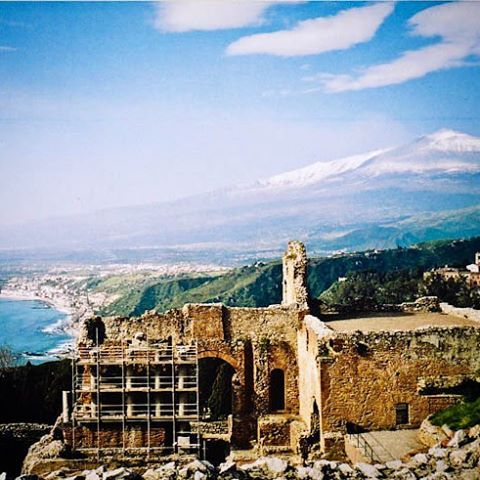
(73, 399)
(123, 399)
(174, 403)
(98, 396)
(197, 392)
(148, 401)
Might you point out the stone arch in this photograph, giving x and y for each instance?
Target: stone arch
(239, 402)
(218, 354)
(215, 388)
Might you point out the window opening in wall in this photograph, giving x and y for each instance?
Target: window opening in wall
(401, 414)
(277, 390)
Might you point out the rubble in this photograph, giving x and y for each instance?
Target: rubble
(455, 458)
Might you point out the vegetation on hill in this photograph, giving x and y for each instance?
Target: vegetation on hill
(256, 285)
(464, 222)
(361, 290)
(389, 276)
(33, 392)
(364, 290)
(462, 415)
(454, 291)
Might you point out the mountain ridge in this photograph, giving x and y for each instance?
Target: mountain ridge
(432, 174)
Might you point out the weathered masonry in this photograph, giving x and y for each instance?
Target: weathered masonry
(290, 382)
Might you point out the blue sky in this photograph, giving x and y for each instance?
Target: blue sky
(110, 104)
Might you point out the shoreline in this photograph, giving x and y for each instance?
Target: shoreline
(10, 294)
(65, 326)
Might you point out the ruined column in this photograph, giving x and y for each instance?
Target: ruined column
(65, 407)
(181, 405)
(129, 406)
(129, 375)
(93, 408)
(295, 275)
(181, 377)
(158, 407)
(157, 383)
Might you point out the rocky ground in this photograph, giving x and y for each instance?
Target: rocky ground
(454, 458)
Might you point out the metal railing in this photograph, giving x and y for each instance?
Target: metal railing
(361, 443)
(135, 411)
(117, 383)
(128, 353)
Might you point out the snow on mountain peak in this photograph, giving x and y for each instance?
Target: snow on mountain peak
(446, 140)
(445, 151)
(319, 171)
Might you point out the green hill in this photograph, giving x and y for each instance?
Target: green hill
(260, 284)
(412, 230)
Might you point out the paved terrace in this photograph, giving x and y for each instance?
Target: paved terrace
(397, 321)
(384, 445)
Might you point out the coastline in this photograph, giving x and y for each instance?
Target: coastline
(69, 325)
(11, 294)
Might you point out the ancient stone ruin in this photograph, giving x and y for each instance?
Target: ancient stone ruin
(293, 384)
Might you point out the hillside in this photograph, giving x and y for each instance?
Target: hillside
(260, 284)
(256, 285)
(461, 223)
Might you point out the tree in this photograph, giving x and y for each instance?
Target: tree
(8, 359)
(364, 290)
(220, 401)
(456, 291)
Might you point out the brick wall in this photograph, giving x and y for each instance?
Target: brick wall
(111, 436)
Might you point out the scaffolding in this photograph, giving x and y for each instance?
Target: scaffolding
(146, 387)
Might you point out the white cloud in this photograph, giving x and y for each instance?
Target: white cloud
(6, 48)
(318, 35)
(457, 25)
(188, 15)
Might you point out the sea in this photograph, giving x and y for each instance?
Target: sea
(32, 329)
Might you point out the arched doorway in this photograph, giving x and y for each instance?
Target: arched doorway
(215, 388)
(315, 423)
(277, 390)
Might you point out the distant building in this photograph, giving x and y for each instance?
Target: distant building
(471, 272)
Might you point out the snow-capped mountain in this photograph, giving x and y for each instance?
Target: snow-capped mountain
(318, 171)
(444, 151)
(319, 203)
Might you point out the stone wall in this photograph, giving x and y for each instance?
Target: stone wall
(468, 313)
(274, 431)
(309, 376)
(112, 436)
(365, 375)
(220, 429)
(422, 304)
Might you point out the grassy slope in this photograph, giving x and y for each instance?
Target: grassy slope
(246, 286)
(261, 285)
(461, 415)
